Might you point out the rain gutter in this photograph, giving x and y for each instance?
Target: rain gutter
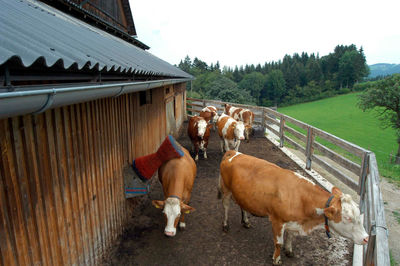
(17, 103)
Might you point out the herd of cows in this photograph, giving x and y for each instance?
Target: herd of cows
(294, 204)
(234, 125)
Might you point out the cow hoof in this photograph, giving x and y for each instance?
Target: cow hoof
(289, 253)
(246, 225)
(225, 228)
(277, 261)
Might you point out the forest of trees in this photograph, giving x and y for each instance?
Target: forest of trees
(295, 79)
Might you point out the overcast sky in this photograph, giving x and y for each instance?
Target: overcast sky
(251, 32)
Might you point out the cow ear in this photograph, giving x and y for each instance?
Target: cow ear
(209, 126)
(186, 208)
(159, 204)
(331, 213)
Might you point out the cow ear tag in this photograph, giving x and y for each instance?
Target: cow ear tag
(155, 204)
(186, 212)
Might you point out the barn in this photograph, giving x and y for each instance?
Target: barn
(80, 98)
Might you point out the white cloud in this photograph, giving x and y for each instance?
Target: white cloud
(252, 32)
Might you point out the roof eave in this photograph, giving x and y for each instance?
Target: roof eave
(35, 101)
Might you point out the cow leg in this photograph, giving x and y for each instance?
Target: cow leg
(226, 202)
(288, 244)
(226, 197)
(196, 148)
(245, 219)
(237, 145)
(222, 146)
(278, 230)
(226, 145)
(205, 153)
(247, 135)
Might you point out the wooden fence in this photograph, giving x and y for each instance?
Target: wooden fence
(366, 185)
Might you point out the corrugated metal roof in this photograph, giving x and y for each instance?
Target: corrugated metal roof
(30, 30)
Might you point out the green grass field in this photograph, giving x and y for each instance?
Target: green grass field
(340, 116)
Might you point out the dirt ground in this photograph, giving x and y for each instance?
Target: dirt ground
(203, 242)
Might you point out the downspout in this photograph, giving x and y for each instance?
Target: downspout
(39, 100)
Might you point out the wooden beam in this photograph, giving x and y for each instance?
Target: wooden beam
(382, 246)
(350, 147)
(337, 173)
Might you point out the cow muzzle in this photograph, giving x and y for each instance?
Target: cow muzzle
(169, 233)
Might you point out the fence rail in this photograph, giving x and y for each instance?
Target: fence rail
(366, 185)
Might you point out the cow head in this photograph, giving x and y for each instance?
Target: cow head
(201, 127)
(215, 117)
(239, 130)
(227, 107)
(344, 218)
(172, 208)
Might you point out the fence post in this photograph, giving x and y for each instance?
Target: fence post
(204, 103)
(263, 120)
(369, 251)
(309, 147)
(281, 129)
(362, 180)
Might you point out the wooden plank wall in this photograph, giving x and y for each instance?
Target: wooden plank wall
(61, 186)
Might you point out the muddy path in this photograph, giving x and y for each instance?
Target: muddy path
(203, 242)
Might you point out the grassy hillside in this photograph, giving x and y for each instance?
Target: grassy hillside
(341, 116)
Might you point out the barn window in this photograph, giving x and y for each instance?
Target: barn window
(146, 97)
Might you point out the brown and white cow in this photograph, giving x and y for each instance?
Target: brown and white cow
(199, 132)
(244, 115)
(230, 131)
(292, 202)
(177, 177)
(210, 114)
